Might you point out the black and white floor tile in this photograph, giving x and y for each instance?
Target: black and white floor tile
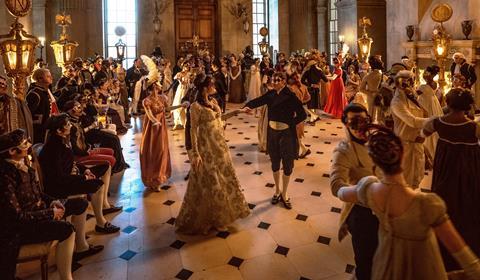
(272, 243)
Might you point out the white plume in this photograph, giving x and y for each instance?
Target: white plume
(153, 74)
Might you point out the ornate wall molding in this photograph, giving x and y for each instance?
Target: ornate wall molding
(423, 49)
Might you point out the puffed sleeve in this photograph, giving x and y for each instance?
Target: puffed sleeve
(434, 210)
(363, 187)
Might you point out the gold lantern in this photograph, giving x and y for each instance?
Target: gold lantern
(441, 39)
(64, 49)
(263, 45)
(365, 42)
(17, 49)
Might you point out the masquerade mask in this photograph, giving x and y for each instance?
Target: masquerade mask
(359, 123)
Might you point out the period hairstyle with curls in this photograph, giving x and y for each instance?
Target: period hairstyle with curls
(459, 99)
(354, 108)
(386, 150)
(202, 82)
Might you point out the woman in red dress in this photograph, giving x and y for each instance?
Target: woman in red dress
(336, 101)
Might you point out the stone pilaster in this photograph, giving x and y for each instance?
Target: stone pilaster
(322, 24)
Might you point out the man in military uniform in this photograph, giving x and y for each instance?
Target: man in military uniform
(41, 102)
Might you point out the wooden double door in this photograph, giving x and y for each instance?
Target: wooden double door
(196, 18)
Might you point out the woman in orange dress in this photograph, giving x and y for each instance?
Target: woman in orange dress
(154, 153)
(336, 101)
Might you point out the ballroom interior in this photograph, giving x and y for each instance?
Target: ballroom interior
(272, 243)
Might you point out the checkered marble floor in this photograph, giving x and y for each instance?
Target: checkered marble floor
(272, 243)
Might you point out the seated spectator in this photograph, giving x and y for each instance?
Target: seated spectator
(63, 177)
(96, 135)
(85, 154)
(114, 102)
(28, 216)
(103, 101)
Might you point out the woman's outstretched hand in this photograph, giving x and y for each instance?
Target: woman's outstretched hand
(246, 110)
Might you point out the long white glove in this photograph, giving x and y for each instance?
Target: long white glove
(469, 262)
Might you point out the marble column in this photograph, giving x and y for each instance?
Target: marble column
(322, 25)
(232, 38)
(284, 25)
(147, 38)
(302, 26)
(348, 22)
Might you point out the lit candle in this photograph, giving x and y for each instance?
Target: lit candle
(42, 41)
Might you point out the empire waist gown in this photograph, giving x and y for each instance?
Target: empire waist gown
(154, 153)
(455, 179)
(213, 198)
(407, 245)
(336, 101)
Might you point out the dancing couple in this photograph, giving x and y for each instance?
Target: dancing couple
(285, 112)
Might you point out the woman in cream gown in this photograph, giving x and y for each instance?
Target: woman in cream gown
(263, 120)
(168, 80)
(254, 90)
(429, 101)
(213, 199)
(179, 115)
(410, 221)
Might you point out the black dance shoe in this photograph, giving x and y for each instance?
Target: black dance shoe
(112, 209)
(286, 203)
(275, 198)
(305, 154)
(107, 228)
(92, 250)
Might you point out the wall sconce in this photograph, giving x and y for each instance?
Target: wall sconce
(365, 42)
(63, 48)
(159, 9)
(341, 41)
(120, 46)
(17, 49)
(240, 10)
(263, 45)
(441, 39)
(41, 46)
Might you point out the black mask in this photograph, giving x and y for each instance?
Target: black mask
(355, 139)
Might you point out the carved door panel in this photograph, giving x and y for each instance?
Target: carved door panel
(195, 18)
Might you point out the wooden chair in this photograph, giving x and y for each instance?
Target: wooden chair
(39, 251)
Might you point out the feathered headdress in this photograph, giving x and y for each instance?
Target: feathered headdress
(153, 74)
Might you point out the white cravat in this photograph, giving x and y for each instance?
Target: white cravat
(457, 69)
